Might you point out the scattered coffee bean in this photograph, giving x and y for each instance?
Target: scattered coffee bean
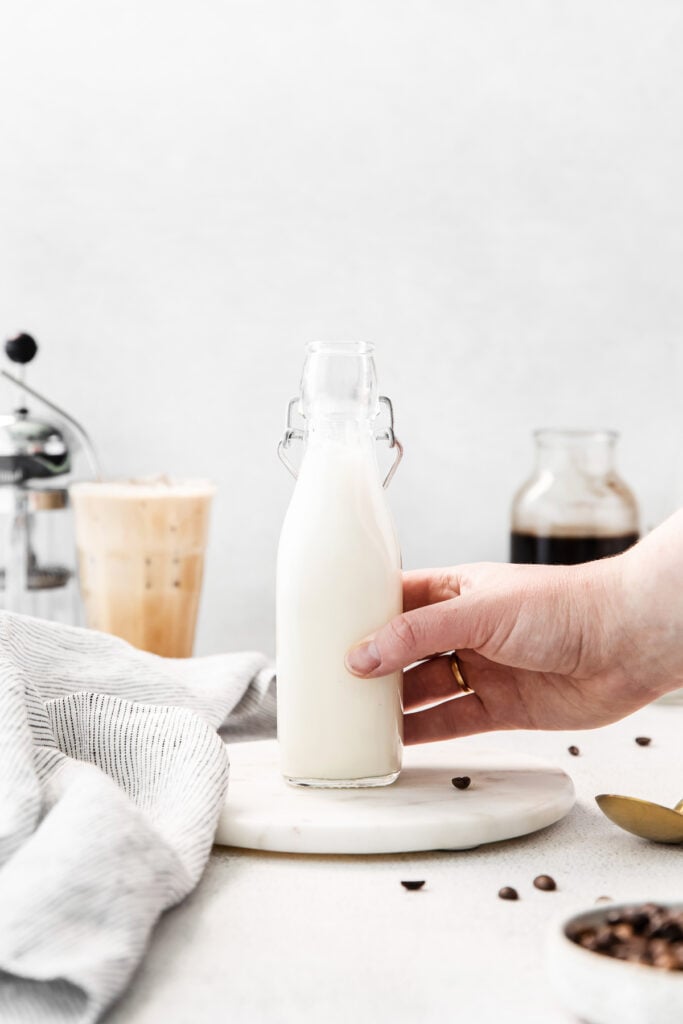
(604, 899)
(461, 781)
(574, 751)
(508, 893)
(412, 885)
(643, 741)
(647, 934)
(545, 882)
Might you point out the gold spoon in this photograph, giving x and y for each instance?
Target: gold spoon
(643, 818)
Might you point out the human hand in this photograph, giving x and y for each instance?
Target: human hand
(543, 647)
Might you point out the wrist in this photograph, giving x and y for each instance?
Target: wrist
(652, 604)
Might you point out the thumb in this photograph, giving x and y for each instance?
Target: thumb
(414, 635)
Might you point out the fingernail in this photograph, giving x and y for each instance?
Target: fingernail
(363, 659)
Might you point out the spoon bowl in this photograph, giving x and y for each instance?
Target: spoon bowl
(645, 819)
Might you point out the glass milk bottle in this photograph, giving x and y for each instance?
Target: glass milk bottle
(338, 579)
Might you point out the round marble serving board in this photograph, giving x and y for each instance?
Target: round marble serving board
(510, 795)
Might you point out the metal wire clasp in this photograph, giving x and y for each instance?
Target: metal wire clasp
(291, 433)
(296, 433)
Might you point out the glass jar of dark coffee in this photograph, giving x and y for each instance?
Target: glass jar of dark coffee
(575, 507)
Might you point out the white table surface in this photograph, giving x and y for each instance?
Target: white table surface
(336, 939)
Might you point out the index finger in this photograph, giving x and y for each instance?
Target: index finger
(428, 586)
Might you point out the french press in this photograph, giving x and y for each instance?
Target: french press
(37, 551)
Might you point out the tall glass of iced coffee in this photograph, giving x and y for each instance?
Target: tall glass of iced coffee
(141, 559)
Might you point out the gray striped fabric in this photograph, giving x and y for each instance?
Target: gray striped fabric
(112, 777)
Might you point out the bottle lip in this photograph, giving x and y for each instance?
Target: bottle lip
(552, 434)
(341, 348)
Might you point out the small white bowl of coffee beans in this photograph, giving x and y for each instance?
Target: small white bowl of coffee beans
(620, 963)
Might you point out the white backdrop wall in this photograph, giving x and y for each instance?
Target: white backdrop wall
(490, 191)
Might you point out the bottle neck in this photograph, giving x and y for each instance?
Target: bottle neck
(339, 403)
(340, 430)
(339, 383)
(569, 453)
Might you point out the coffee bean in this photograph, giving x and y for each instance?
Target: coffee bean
(604, 899)
(574, 751)
(461, 781)
(648, 934)
(412, 885)
(657, 923)
(637, 946)
(604, 937)
(671, 931)
(508, 893)
(666, 960)
(643, 741)
(640, 922)
(545, 882)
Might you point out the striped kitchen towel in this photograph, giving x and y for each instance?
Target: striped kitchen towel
(112, 777)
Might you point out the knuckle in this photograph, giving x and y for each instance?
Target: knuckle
(403, 633)
(448, 584)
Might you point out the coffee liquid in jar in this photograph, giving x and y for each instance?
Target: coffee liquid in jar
(534, 549)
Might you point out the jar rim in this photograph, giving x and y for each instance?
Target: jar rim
(552, 434)
(341, 348)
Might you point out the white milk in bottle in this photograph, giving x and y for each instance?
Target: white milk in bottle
(338, 579)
